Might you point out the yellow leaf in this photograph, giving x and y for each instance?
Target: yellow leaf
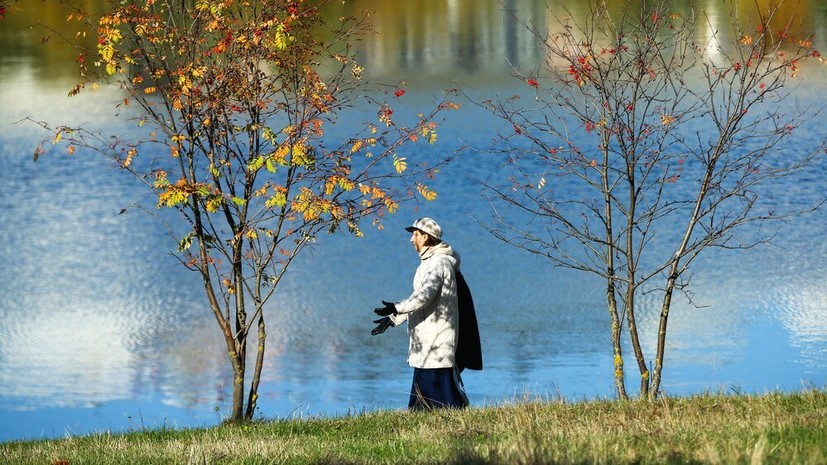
(426, 193)
(213, 203)
(301, 156)
(256, 164)
(400, 164)
(129, 156)
(391, 205)
(357, 71)
(283, 39)
(281, 154)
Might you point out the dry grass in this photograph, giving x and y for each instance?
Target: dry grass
(709, 429)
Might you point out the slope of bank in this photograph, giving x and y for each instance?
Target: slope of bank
(777, 428)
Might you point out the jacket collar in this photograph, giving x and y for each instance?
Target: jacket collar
(441, 248)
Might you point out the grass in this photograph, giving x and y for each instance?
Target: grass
(707, 429)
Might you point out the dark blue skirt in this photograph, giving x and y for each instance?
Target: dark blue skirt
(437, 388)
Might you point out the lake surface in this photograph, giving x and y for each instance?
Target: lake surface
(103, 331)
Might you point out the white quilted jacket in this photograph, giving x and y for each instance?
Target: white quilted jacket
(431, 311)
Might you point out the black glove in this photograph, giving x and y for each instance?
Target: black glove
(384, 323)
(388, 309)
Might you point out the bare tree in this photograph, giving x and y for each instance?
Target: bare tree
(643, 146)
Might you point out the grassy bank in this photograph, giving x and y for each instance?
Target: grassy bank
(769, 429)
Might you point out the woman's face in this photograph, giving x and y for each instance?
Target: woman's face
(419, 239)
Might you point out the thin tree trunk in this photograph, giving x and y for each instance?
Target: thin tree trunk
(674, 271)
(230, 339)
(611, 288)
(617, 348)
(631, 273)
(241, 332)
(635, 339)
(631, 290)
(661, 347)
(252, 399)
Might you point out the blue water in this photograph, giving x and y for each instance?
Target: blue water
(104, 331)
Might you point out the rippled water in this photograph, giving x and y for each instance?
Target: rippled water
(102, 330)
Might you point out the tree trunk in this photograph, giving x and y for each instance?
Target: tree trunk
(239, 360)
(241, 330)
(674, 271)
(635, 337)
(617, 349)
(632, 285)
(661, 344)
(611, 289)
(252, 399)
(232, 341)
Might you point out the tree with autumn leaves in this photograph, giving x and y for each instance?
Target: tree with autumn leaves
(231, 103)
(638, 148)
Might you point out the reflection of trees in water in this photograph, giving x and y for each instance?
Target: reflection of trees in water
(467, 36)
(437, 37)
(26, 24)
(448, 37)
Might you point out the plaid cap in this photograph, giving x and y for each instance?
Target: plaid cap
(428, 226)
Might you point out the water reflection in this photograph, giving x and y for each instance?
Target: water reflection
(448, 38)
(102, 330)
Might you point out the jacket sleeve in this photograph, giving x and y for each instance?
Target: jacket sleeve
(427, 287)
(399, 318)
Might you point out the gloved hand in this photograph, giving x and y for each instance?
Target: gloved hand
(384, 323)
(388, 309)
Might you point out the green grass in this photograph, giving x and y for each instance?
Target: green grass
(707, 429)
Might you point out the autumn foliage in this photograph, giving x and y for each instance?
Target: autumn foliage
(232, 103)
(4, 7)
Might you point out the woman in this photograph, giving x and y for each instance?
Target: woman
(433, 321)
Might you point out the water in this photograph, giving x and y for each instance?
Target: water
(103, 331)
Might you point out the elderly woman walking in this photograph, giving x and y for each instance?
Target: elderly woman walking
(432, 313)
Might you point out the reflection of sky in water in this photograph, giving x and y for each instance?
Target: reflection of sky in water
(103, 330)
